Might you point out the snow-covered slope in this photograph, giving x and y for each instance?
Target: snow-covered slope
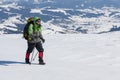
(67, 57)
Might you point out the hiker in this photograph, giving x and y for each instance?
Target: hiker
(35, 40)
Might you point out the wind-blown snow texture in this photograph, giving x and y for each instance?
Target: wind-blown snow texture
(67, 57)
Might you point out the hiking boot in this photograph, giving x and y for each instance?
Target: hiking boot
(41, 62)
(27, 61)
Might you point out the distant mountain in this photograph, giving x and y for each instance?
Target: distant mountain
(70, 3)
(61, 16)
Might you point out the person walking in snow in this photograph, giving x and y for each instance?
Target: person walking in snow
(35, 40)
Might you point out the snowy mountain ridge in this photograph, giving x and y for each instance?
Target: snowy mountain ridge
(58, 19)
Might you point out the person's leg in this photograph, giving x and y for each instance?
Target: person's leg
(29, 50)
(40, 49)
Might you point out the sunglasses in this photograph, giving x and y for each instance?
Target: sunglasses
(38, 21)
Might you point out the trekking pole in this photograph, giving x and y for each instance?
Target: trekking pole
(34, 56)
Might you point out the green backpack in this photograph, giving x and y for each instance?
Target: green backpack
(25, 30)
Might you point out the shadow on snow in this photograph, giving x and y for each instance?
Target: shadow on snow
(6, 63)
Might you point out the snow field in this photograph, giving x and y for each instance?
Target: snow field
(67, 57)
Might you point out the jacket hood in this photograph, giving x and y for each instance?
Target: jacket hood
(36, 18)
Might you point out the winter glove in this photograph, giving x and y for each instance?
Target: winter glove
(43, 40)
(30, 38)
